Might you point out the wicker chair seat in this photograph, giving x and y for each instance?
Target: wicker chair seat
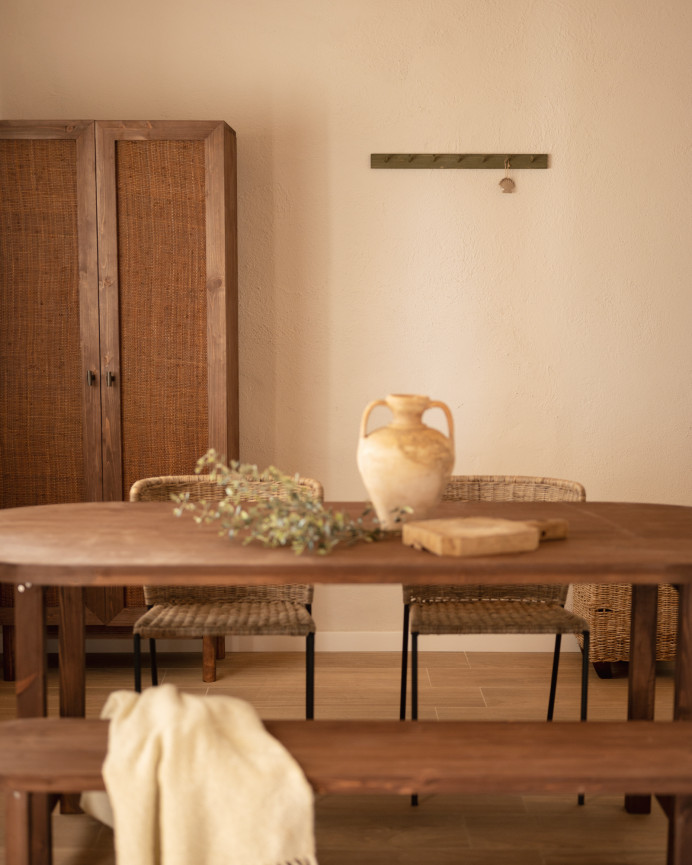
(218, 619)
(494, 617)
(544, 593)
(299, 594)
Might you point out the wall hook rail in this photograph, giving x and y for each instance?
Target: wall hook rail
(459, 160)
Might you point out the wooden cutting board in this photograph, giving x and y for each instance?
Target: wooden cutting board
(480, 536)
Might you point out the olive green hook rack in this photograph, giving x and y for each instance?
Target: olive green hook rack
(459, 160)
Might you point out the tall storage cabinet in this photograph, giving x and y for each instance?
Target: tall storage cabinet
(118, 314)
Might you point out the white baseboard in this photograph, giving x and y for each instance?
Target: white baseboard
(355, 641)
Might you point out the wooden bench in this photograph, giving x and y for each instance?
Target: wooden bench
(50, 756)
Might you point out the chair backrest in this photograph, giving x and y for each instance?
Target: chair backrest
(500, 488)
(201, 487)
(511, 488)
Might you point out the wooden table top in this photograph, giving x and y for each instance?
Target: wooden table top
(115, 543)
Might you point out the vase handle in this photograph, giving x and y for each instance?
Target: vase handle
(448, 414)
(366, 414)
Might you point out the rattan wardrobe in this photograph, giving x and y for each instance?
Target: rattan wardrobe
(118, 316)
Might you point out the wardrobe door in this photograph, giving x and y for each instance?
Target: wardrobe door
(49, 335)
(167, 260)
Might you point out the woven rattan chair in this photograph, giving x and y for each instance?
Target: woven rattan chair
(488, 609)
(214, 612)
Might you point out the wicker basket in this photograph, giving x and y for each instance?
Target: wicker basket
(607, 609)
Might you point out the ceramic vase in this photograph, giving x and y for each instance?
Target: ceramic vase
(406, 463)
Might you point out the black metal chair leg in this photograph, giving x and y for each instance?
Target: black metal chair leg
(553, 677)
(585, 675)
(414, 677)
(404, 665)
(137, 646)
(584, 687)
(152, 660)
(414, 691)
(310, 677)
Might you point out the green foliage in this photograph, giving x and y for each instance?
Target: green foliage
(274, 509)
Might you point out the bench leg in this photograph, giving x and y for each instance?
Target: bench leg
(679, 830)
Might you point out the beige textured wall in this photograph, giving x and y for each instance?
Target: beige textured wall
(555, 322)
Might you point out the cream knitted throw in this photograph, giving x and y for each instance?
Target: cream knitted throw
(199, 781)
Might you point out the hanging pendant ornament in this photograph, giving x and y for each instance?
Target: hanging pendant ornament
(507, 183)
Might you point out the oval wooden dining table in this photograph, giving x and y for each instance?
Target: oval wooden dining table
(92, 544)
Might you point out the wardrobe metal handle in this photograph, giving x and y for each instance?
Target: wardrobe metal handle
(91, 377)
(110, 379)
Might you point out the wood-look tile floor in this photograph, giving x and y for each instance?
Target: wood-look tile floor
(369, 830)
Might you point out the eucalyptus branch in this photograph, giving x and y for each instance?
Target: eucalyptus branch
(274, 509)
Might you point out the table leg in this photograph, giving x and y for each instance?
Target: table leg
(642, 670)
(71, 660)
(683, 659)
(17, 828)
(679, 808)
(30, 641)
(71, 653)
